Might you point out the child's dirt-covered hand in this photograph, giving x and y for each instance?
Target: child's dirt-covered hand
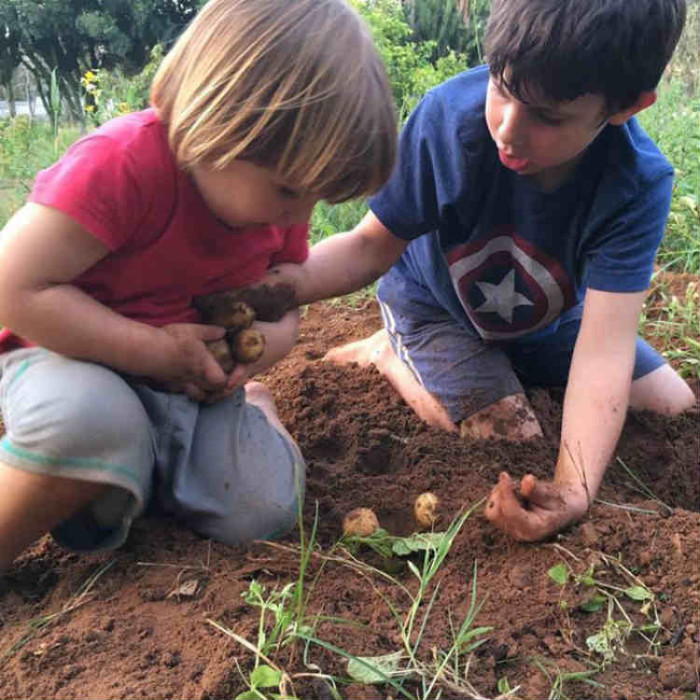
(185, 365)
(537, 510)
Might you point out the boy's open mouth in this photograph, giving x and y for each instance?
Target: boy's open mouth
(512, 163)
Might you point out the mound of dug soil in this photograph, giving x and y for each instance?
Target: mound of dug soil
(616, 618)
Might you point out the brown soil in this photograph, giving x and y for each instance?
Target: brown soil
(135, 636)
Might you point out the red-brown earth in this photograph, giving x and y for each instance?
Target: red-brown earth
(138, 633)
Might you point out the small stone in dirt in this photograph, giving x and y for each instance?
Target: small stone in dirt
(677, 673)
(108, 625)
(667, 617)
(645, 557)
(153, 595)
(589, 534)
(520, 576)
(172, 659)
(185, 590)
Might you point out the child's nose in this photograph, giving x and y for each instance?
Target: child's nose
(511, 131)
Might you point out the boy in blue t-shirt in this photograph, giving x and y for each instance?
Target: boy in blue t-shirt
(517, 239)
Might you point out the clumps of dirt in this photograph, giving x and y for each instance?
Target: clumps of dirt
(138, 636)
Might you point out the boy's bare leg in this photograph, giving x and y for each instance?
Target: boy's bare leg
(510, 418)
(662, 391)
(33, 504)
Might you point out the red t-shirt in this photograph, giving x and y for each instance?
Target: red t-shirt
(121, 184)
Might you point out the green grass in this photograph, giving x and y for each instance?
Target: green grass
(26, 147)
(674, 124)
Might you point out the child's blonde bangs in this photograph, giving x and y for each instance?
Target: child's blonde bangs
(294, 85)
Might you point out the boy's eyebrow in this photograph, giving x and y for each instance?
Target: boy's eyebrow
(552, 112)
(555, 111)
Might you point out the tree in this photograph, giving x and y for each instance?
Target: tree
(73, 36)
(9, 60)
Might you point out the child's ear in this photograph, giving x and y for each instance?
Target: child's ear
(645, 99)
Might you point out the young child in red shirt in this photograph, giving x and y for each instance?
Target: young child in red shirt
(110, 399)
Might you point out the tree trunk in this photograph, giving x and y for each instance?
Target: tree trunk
(29, 96)
(10, 94)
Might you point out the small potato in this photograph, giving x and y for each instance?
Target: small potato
(221, 352)
(225, 309)
(237, 317)
(425, 509)
(247, 345)
(360, 522)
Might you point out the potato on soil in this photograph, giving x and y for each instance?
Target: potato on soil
(425, 509)
(360, 522)
(247, 345)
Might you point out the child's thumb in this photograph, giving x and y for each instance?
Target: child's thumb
(207, 333)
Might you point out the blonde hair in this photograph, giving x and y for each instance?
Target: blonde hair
(294, 85)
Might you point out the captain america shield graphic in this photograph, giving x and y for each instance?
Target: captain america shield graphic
(507, 286)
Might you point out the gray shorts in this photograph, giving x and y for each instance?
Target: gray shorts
(222, 470)
(465, 373)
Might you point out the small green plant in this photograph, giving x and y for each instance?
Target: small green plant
(275, 606)
(611, 638)
(262, 679)
(558, 678)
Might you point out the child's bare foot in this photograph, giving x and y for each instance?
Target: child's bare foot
(365, 352)
(378, 351)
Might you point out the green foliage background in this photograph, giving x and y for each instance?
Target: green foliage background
(422, 42)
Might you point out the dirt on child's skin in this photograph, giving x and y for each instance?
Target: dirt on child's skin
(142, 629)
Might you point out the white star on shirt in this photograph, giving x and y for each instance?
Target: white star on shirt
(502, 298)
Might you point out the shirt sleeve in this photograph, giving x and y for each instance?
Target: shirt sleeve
(296, 246)
(427, 173)
(95, 183)
(622, 259)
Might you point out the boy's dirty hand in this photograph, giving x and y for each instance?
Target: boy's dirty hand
(185, 364)
(535, 511)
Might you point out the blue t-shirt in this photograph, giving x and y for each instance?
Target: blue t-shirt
(499, 255)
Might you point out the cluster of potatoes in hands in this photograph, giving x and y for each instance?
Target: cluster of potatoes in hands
(235, 310)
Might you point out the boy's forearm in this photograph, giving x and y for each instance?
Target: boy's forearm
(340, 265)
(597, 394)
(594, 413)
(344, 263)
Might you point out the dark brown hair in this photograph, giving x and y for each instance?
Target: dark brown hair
(562, 49)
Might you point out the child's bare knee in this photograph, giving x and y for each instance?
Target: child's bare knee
(509, 418)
